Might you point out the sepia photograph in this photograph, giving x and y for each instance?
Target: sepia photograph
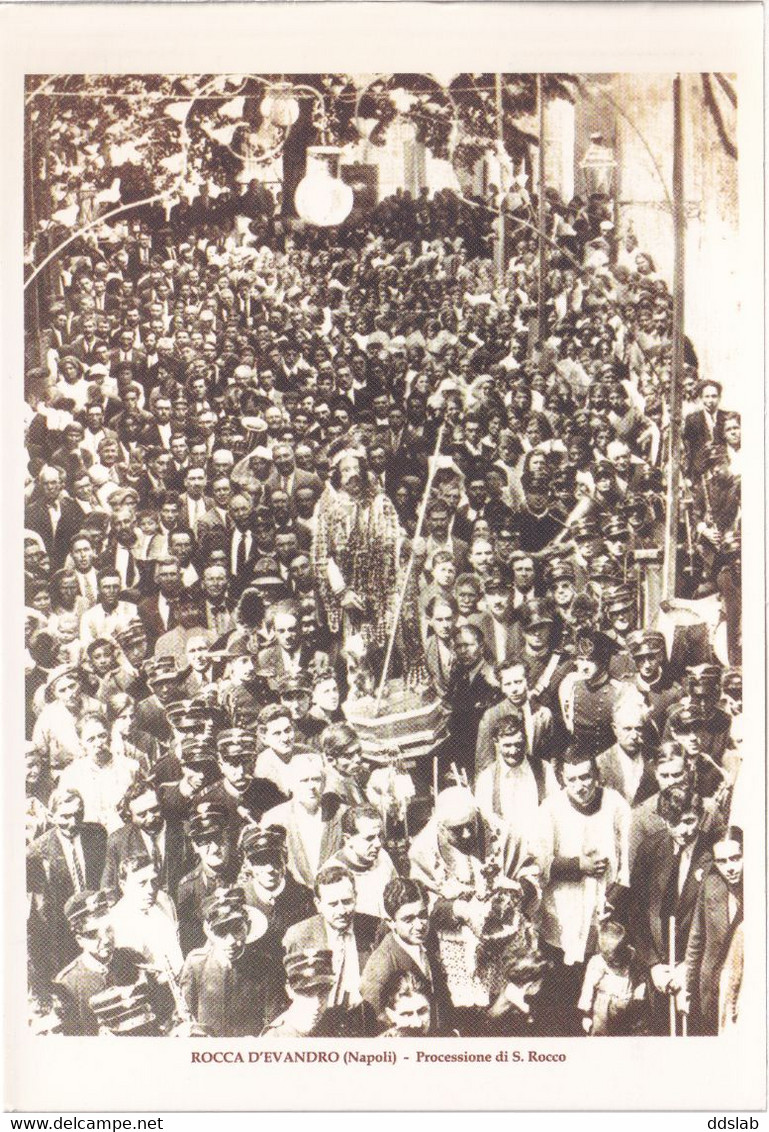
(382, 559)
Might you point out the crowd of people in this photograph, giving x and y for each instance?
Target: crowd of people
(282, 480)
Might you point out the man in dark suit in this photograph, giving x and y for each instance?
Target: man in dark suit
(718, 911)
(127, 354)
(664, 886)
(501, 633)
(285, 476)
(146, 831)
(350, 936)
(98, 966)
(68, 858)
(471, 692)
(159, 613)
(244, 797)
(704, 426)
(409, 946)
(240, 543)
(208, 831)
(56, 518)
(268, 884)
(537, 721)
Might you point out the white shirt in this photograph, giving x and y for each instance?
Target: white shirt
(684, 864)
(196, 509)
(310, 829)
(96, 622)
(73, 849)
(154, 933)
(518, 796)
(164, 609)
(101, 787)
(54, 511)
(632, 769)
(87, 583)
(271, 766)
(346, 967)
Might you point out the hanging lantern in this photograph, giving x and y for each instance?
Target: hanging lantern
(598, 166)
(279, 106)
(322, 198)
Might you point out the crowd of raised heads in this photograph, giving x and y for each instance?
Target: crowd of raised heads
(358, 702)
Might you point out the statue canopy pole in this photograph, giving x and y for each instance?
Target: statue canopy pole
(677, 361)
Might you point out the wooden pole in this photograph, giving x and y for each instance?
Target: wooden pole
(433, 467)
(677, 364)
(672, 963)
(542, 219)
(499, 250)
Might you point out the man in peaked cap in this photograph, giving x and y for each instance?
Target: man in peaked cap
(619, 610)
(197, 770)
(535, 523)
(703, 686)
(543, 657)
(208, 829)
(231, 985)
(653, 677)
(587, 695)
(562, 584)
(309, 979)
(266, 881)
(164, 679)
(98, 966)
(244, 797)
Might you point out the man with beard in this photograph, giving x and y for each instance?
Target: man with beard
(209, 832)
(232, 987)
(458, 843)
(146, 830)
